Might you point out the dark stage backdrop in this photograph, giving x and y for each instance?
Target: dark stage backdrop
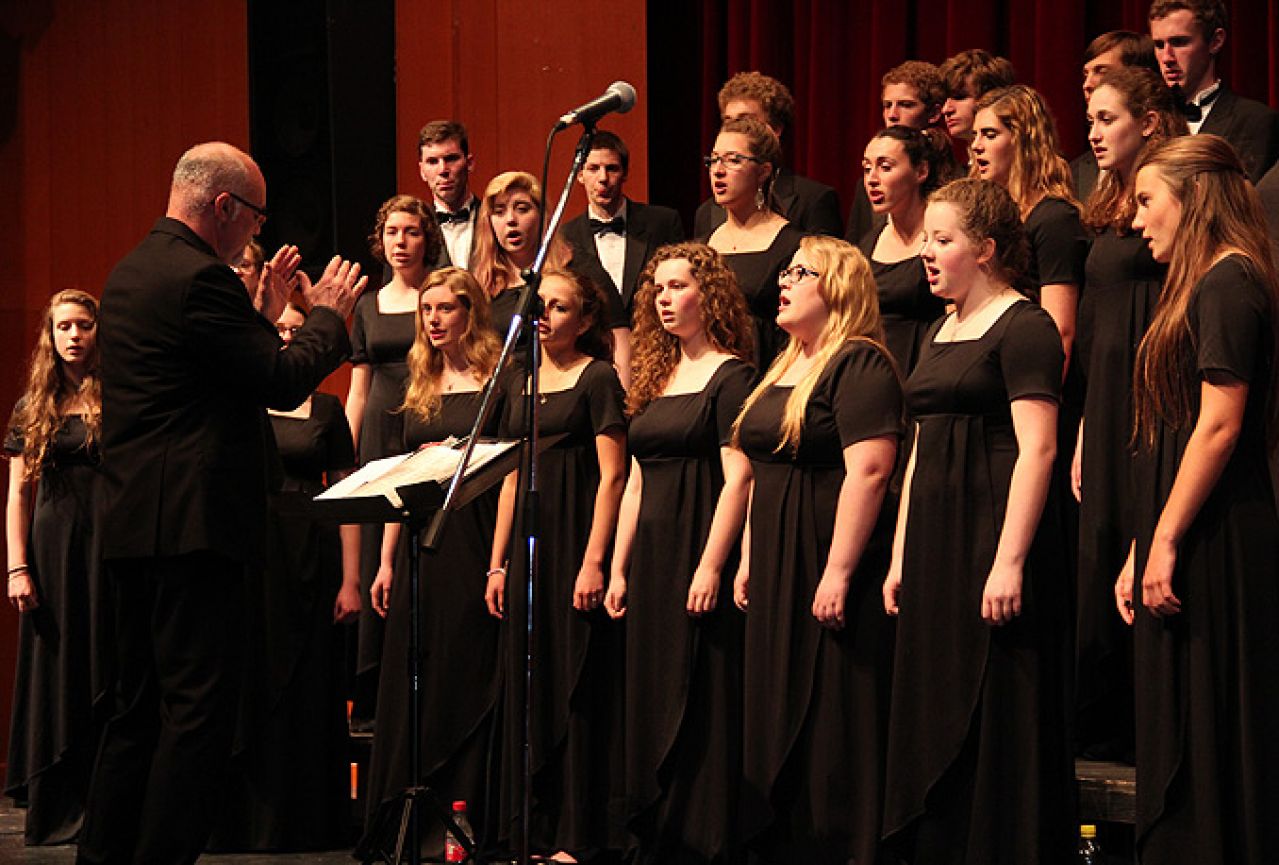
(832, 54)
(99, 97)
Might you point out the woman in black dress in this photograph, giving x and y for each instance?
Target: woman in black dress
(675, 558)
(290, 788)
(1200, 582)
(406, 237)
(899, 170)
(821, 431)
(506, 242)
(1130, 110)
(454, 354)
(1016, 147)
(755, 240)
(576, 700)
(979, 768)
(55, 580)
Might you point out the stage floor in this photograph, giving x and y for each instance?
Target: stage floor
(12, 850)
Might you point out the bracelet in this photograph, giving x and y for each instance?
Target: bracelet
(491, 571)
(17, 569)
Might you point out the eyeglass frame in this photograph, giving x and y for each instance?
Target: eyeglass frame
(787, 275)
(260, 212)
(732, 159)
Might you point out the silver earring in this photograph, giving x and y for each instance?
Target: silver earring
(759, 198)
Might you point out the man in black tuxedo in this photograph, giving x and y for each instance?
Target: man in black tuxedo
(188, 370)
(1188, 35)
(445, 162)
(813, 207)
(1113, 50)
(616, 236)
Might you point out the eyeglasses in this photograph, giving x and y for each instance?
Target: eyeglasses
(260, 211)
(290, 330)
(730, 160)
(795, 273)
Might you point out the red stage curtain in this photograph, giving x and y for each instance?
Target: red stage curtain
(832, 54)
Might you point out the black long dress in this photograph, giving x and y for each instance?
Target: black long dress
(907, 307)
(461, 670)
(1123, 287)
(816, 698)
(757, 278)
(290, 763)
(1207, 705)
(382, 340)
(61, 688)
(979, 769)
(575, 706)
(683, 673)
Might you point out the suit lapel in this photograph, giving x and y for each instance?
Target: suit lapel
(1223, 109)
(636, 249)
(784, 194)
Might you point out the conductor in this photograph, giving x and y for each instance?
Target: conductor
(189, 368)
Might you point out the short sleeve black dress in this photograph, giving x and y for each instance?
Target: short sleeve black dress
(576, 700)
(683, 674)
(816, 699)
(979, 768)
(757, 278)
(61, 689)
(1207, 705)
(382, 340)
(907, 307)
(291, 777)
(1124, 282)
(461, 673)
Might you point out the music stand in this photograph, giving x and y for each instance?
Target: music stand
(421, 503)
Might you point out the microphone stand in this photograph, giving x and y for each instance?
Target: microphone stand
(526, 314)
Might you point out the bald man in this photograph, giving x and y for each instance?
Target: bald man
(189, 367)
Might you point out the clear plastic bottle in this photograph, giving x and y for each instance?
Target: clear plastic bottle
(454, 851)
(1089, 849)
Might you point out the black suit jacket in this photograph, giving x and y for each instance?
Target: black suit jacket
(1268, 189)
(648, 227)
(1251, 128)
(188, 369)
(1085, 173)
(443, 259)
(810, 206)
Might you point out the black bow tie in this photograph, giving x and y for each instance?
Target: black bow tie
(1194, 112)
(617, 225)
(462, 214)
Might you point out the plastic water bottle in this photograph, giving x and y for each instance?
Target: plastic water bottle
(453, 849)
(1089, 849)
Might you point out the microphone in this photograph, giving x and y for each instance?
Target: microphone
(619, 97)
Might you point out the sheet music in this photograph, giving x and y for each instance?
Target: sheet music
(433, 463)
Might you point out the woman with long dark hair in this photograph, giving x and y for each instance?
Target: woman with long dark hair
(576, 699)
(676, 555)
(1200, 581)
(1130, 111)
(60, 694)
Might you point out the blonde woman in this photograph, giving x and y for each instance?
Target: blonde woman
(821, 431)
(453, 355)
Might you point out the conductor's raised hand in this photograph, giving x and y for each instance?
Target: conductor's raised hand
(279, 278)
(337, 288)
